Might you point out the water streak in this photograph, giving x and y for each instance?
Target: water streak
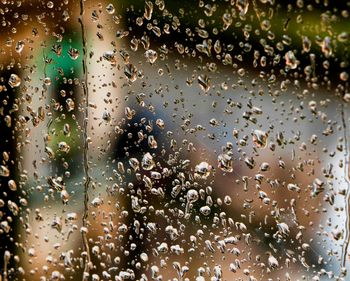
(87, 260)
(347, 197)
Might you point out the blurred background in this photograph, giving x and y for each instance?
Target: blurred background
(214, 135)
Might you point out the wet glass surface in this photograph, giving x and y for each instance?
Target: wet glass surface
(174, 140)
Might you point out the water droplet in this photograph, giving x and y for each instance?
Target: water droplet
(4, 171)
(242, 6)
(12, 185)
(130, 72)
(291, 60)
(73, 53)
(202, 170)
(14, 81)
(225, 162)
(63, 146)
(151, 56)
(110, 9)
(20, 46)
(204, 82)
(148, 10)
(260, 138)
(70, 105)
(147, 162)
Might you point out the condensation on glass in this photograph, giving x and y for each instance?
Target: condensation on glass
(174, 140)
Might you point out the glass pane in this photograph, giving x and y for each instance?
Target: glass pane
(167, 140)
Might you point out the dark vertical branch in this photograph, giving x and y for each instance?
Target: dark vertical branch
(87, 259)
